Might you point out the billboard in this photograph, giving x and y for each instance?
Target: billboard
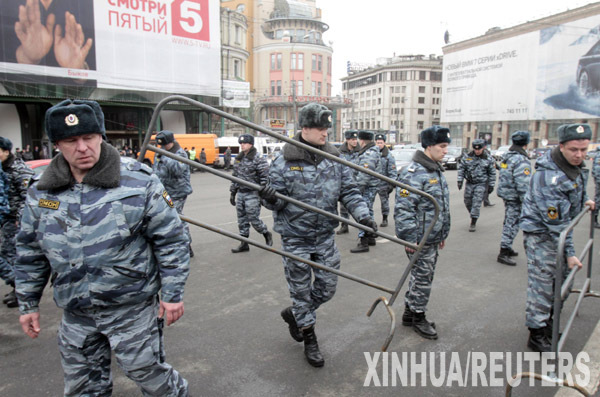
(236, 94)
(540, 75)
(147, 45)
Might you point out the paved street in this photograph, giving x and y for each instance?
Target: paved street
(232, 341)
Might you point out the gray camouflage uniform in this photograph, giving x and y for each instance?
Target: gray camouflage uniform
(388, 168)
(321, 183)
(175, 177)
(251, 167)
(513, 183)
(5, 271)
(596, 176)
(556, 195)
(369, 157)
(108, 246)
(479, 172)
(413, 214)
(18, 175)
(351, 156)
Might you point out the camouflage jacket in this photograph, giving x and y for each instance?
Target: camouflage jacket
(173, 174)
(18, 175)
(515, 172)
(414, 213)
(369, 157)
(316, 181)
(114, 239)
(556, 195)
(251, 167)
(349, 155)
(4, 206)
(388, 166)
(477, 169)
(596, 170)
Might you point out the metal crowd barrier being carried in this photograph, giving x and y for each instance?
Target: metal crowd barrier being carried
(417, 247)
(560, 295)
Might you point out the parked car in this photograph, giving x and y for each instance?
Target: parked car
(403, 157)
(588, 72)
(38, 166)
(500, 152)
(539, 152)
(452, 158)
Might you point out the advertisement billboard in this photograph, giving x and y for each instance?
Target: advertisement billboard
(541, 75)
(147, 45)
(236, 94)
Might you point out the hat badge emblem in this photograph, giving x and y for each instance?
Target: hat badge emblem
(329, 118)
(580, 129)
(71, 120)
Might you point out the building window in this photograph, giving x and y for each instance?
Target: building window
(237, 68)
(278, 87)
(297, 61)
(238, 34)
(421, 89)
(422, 75)
(313, 88)
(319, 85)
(435, 76)
(299, 87)
(420, 111)
(276, 61)
(421, 99)
(317, 63)
(273, 87)
(329, 65)
(419, 125)
(314, 62)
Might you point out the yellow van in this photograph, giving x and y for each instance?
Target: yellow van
(198, 141)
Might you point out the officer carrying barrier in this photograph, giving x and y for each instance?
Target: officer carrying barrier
(560, 295)
(417, 247)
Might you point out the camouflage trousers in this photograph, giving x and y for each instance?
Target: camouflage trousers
(541, 251)
(369, 197)
(474, 197)
(421, 279)
(307, 295)
(134, 333)
(8, 250)
(597, 199)
(512, 213)
(179, 204)
(384, 197)
(344, 211)
(247, 206)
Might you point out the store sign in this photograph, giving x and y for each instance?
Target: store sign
(277, 123)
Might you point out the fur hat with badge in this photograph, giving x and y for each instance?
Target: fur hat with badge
(365, 135)
(351, 134)
(520, 138)
(71, 118)
(246, 138)
(571, 132)
(5, 144)
(479, 144)
(165, 137)
(314, 115)
(380, 137)
(434, 135)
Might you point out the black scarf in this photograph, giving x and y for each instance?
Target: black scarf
(421, 158)
(292, 152)
(572, 171)
(251, 154)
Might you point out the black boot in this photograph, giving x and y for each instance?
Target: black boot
(363, 245)
(191, 251)
(268, 238)
(384, 222)
(538, 341)
(343, 229)
(407, 316)
(311, 347)
(288, 317)
(512, 252)
(11, 299)
(371, 241)
(504, 257)
(424, 327)
(596, 224)
(243, 247)
(472, 226)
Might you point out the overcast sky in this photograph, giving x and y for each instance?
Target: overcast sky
(364, 30)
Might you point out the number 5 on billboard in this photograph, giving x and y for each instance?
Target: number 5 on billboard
(190, 19)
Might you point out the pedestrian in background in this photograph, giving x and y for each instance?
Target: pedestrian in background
(478, 169)
(202, 159)
(106, 231)
(513, 183)
(348, 151)
(413, 214)
(227, 159)
(556, 195)
(388, 168)
(319, 182)
(252, 167)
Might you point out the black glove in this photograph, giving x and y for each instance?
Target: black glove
(391, 188)
(490, 189)
(268, 194)
(232, 199)
(368, 222)
(460, 183)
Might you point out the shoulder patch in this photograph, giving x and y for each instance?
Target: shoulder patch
(168, 199)
(503, 165)
(433, 181)
(527, 171)
(410, 169)
(50, 204)
(552, 213)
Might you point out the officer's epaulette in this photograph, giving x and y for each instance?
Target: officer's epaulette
(137, 166)
(35, 178)
(411, 169)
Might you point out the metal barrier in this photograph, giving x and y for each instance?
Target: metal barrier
(417, 247)
(561, 294)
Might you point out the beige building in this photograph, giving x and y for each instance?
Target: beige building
(400, 96)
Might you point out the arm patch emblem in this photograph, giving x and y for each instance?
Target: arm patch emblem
(552, 213)
(404, 193)
(168, 199)
(527, 171)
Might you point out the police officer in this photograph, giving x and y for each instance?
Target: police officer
(6, 273)
(18, 175)
(388, 168)
(106, 232)
(349, 152)
(596, 175)
(414, 213)
(478, 169)
(557, 193)
(192, 153)
(320, 182)
(369, 157)
(515, 171)
(173, 174)
(250, 166)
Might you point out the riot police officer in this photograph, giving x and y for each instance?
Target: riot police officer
(348, 151)
(388, 168)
